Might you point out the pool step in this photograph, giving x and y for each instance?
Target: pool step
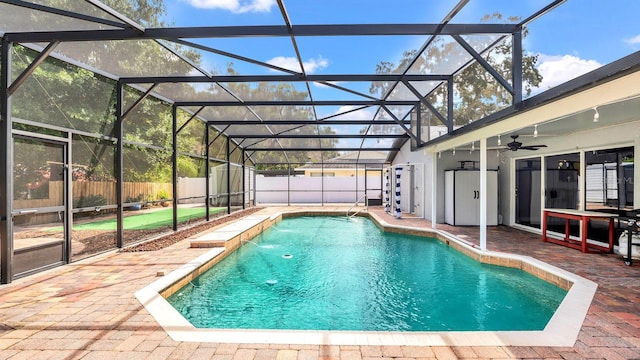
(231, 235)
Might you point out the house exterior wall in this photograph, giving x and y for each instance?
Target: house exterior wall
(446, 160)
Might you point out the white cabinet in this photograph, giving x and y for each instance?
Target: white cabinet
(462, 197)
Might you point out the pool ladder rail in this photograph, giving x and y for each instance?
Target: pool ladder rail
(365, 208)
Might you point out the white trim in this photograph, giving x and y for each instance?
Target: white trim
(483, 194)
(434, 191)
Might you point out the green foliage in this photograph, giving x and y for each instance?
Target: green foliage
(187, 167)
(163, 195)
(63, 95)
(66, 96)
(89, 201)
(477, 93)
(133, 199)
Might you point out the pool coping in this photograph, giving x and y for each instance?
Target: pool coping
(562, 329)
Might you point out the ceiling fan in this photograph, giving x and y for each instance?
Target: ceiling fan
(515, 145)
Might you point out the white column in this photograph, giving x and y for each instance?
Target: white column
(434, 190)
(483, 194)
(581, 184)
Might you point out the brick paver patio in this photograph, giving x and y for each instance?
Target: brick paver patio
(87, 310)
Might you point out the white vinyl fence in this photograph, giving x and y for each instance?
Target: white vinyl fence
(314, 190)
(193, 190)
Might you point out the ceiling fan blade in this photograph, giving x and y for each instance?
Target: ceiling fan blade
(532, 147)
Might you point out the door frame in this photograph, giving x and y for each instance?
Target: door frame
(65, 144)
(368, 189)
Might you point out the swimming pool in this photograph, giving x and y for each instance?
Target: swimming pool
(562, 329)
(332, 273)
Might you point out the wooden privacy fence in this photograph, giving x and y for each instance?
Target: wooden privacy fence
(147, 191)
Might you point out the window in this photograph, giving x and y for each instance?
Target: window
(562, 177)
(609, 180)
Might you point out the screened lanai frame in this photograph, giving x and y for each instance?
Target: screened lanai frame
(113, 27)
(69, 31)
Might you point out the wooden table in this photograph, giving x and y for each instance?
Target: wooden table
(583, 217)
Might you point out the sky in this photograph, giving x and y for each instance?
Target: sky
(576, 37)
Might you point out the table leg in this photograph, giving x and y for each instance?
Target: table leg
(544, 226)
(611, 235)
(583, 236)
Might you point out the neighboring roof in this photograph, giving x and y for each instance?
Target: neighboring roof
(369, 156)
(350, 161)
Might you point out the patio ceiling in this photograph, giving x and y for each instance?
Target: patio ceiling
(336, 106)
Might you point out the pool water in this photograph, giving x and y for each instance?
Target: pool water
(334, 273)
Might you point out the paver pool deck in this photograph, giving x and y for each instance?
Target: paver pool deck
(87, 310)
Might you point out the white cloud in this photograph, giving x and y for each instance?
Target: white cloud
(557, 69)
(321, 85)
(347, 113)
(291, 63)
(235, 6)
(633, 41)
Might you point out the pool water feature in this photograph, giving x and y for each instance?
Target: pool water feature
(346, 274)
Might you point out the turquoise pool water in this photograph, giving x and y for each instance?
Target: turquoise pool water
(330, 273)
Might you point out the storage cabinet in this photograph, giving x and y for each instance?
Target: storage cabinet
(462, 197)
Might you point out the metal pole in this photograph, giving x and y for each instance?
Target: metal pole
(365, 182)
(322, 179)
(517, 67)
(119, 160)
(450, 106)
(207, 175)
(6, 159)
(174, 163)
(68, 196)
(228, 175)
(288, 184)
(419, 124)
(243, 180)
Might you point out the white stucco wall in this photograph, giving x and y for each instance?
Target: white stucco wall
(423, 180)
(446, 160)
(611, 137)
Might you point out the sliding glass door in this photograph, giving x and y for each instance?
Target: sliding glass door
(528, 185)
(608, 177)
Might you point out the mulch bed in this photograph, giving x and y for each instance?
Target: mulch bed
(169, 239)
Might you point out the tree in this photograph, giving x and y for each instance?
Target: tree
(277, 92)
(477, 93)
(67, 96)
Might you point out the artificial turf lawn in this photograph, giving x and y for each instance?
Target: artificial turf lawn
(149, 220)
